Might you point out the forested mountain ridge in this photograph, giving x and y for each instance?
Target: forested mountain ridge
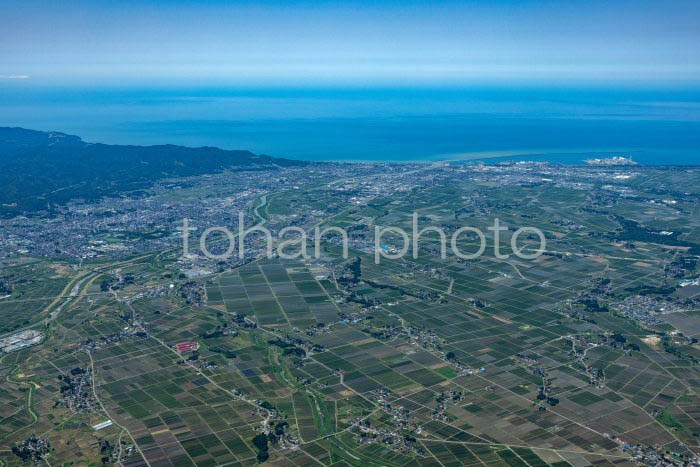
(39, 170)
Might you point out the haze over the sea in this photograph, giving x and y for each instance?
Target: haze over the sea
(360, 80)
(658, 127)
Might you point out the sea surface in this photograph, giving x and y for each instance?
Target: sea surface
(655, 126)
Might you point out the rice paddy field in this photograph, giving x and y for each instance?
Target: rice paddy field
(413, 361)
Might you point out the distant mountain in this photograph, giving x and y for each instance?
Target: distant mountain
(39, 170)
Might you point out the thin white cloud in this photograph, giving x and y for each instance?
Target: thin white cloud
(14, 76)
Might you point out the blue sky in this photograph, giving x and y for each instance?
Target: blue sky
(406, 42)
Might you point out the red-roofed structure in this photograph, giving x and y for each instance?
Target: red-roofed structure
(186, 346)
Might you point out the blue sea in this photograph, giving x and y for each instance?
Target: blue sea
(655, 126)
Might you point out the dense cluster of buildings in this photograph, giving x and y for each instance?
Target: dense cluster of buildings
(32, 449)
(395, 439)
(134, 331)
(76, 391)
(645, 308)
(119, 226)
